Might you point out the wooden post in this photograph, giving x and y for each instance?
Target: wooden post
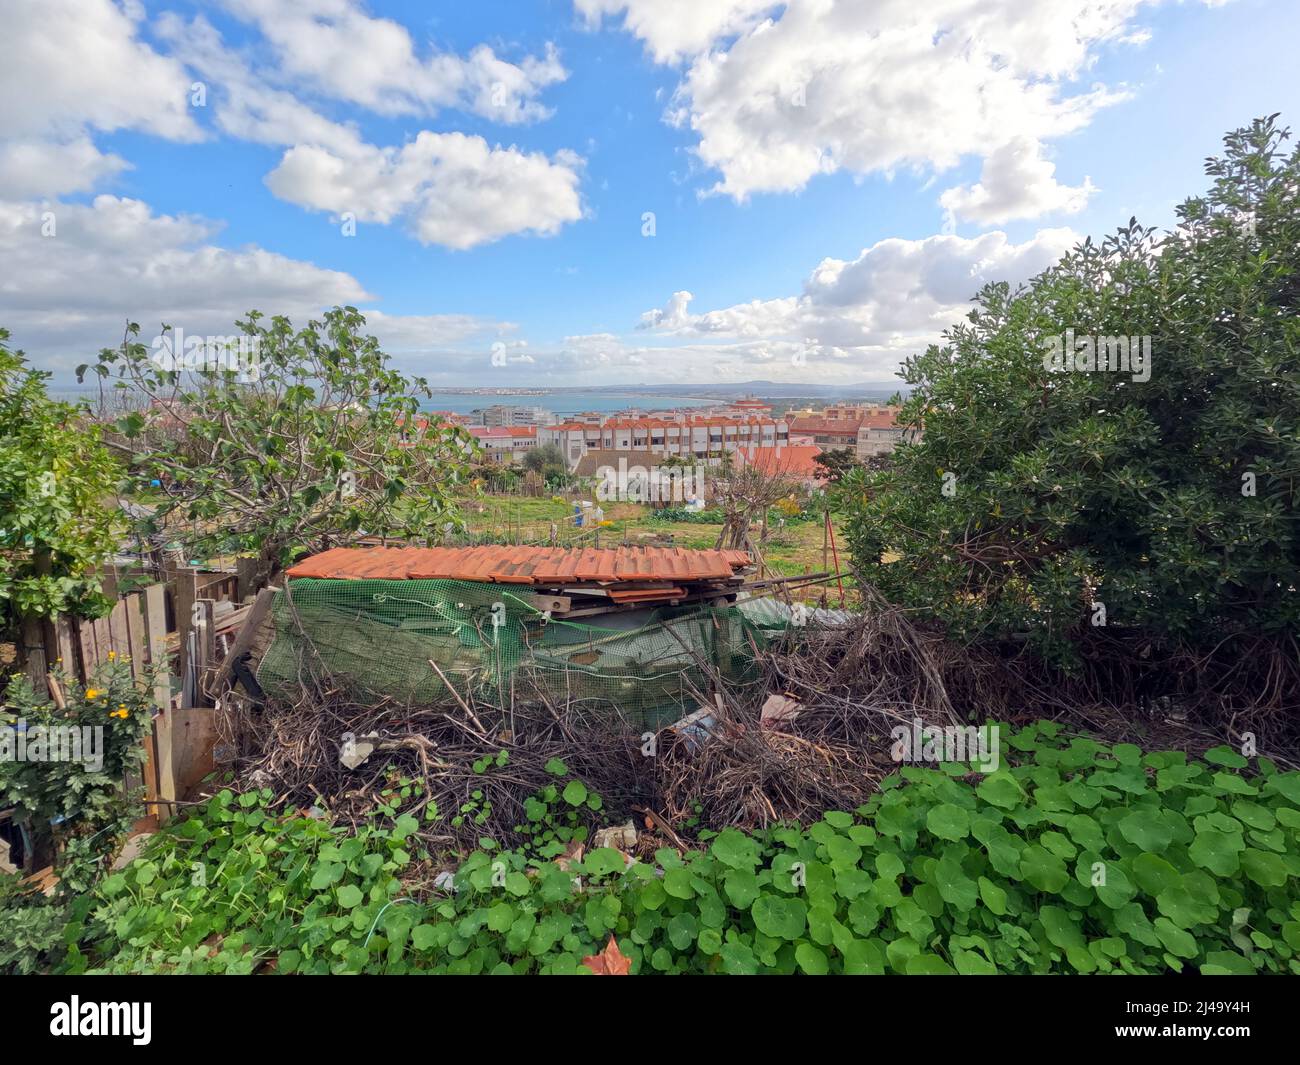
(205, 645)
(183, 580)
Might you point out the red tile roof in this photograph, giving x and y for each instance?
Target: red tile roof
(522, 565)
(843, 426)
(792, 461)
(483, 432)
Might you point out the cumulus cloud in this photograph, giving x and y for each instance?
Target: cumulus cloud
(49, 169)
(72, 67)
(455, 190)
(676, 29)
(334, 47)
(1015, 182)
(76, 273)
(779, 93)
(449, 189)
(73, 64)
(896, 296)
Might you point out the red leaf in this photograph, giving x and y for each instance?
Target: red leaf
(609, 962)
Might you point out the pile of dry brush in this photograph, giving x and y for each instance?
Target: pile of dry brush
(853, 684)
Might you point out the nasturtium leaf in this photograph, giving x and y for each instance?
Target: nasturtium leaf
(928, 965)
(1000, 789)
(1216, 851)
(1267, 870)
(1153, 874)
(1226, 756)
(778, 916)
(1043, 869)
(735, 849)
(1061, 926)
(1176, 940)
(948, 822)
(864, 957)
(812, 960)
(677, 882)
(741, 887)
(1144, 827)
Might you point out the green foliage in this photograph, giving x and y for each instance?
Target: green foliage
(836, 462)
(58, 519)
(31, 928)
(1172, 501)
(548, 461)
(80, 801)
(1075, 858)
(681, 514)
(314, 437)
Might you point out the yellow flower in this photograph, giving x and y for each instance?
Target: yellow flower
(120, 712)
(112, 655)
(93, 693)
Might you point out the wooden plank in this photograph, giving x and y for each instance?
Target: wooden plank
(155, 606)
(66, 642)
(89, 643)
(152, 811)
(165, 763)
(135, 635)
(118, 634)
(103, 642)
(182, 580)
(247, 633)
(194, 736)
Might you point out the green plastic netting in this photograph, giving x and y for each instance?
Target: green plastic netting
(374, 639)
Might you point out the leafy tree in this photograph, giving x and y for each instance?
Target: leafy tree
(836, 462)
(58, 520)
(284, 439)
(1069, 505)
(548, 461)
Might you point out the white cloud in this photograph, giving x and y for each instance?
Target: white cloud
(677, 29)
(896, 296)
(454, 190)
(65, 296)
(777, 94)
(70, 65)
(48, 169)
(450, 189)
(1015, 182)
(336, 48)
(671, 316)
(244, 105)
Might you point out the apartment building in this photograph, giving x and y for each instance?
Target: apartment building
(505, 443)
(502, 415)
(701, 436)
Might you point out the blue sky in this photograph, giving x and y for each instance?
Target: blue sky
(829, 181)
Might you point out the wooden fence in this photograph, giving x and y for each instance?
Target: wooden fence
(169, 632)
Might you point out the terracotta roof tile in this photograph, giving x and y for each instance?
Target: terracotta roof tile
(523, 565)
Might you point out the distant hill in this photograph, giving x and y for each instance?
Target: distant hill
(760, 389)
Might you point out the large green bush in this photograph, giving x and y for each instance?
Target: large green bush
(1076, 857)
(1045, 503)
